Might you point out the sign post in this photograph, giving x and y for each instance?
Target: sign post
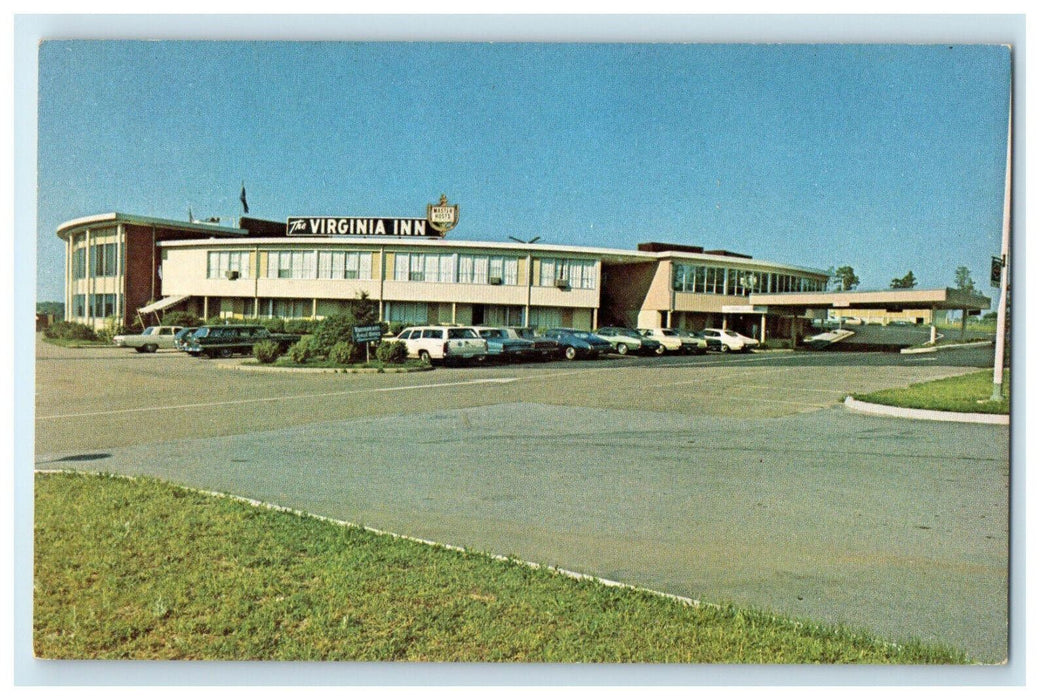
(1005, 268)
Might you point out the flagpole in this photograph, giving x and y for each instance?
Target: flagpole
(1005, 270)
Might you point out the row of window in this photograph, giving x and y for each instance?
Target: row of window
(94, 305)
(101, 260)
(701, 279)
(407, 267)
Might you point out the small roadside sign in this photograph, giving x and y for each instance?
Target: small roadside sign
(996, 272)
(366, 334)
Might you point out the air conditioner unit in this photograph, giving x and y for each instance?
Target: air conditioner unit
(232, 274)
(562, 284)
(495, 280)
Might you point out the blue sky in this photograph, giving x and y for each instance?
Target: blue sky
(886, 158)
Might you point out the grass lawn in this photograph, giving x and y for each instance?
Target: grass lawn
(968, 393)
(68, 343)
(141, 569)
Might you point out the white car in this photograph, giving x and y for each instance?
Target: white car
(669, 339)
(445, 343)
(731, 341)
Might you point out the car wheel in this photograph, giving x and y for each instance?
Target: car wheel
(225, 352)
(622, 349)
(423, 355)
(569, 353)
(139, 349)
(660, 350)
(149, 348)
(724, 348)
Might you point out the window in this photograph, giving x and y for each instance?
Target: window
(292, 264)
(580, 274)
(101, 305)
(221, 262)
(79, 306)
(103, 260)
(285, 308)
(344, 265)
(80, 264)
(407, 312)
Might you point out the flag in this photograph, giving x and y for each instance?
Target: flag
(243, 197)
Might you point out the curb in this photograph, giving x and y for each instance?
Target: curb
(323, 370)
(877, 409)
(951, 346)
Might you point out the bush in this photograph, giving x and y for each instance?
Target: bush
(180, 318)
(301, 351)
(112, 328)
(341, 353)
(67, 330)
(333, 330)
(392, 352)
(393, 328)
(266, 351)
(301, 326)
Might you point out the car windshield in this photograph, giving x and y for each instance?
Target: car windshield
(731, 333)
(525, 332)
(201, 333)
(669, 332)
(148, 330)
(459, 333)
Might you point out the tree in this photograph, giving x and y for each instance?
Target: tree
(906, 282)
(964, 281)
(844, 278)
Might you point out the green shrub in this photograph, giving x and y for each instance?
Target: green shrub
(301, 326)
(341, 353)
(112, 328)
(392, 352)
(393, 328)
(266, 351)
(180, 318)
(301, 351)
(67, 330)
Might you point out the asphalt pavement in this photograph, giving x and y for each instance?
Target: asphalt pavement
(734, 478)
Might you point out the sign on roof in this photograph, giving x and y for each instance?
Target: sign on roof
(442, 218)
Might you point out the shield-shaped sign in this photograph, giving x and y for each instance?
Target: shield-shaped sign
(443, 216)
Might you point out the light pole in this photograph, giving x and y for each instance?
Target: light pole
(1001, 316)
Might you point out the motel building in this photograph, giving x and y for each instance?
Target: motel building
(135, 268)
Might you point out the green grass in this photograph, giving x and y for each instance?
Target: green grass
(141, 569)
(968, 393)
(71, 343)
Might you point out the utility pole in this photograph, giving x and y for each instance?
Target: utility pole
(1001, 316)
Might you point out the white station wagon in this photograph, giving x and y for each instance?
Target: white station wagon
(447, 343)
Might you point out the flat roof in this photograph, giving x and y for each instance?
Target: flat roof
(943, 298)
(116, 217)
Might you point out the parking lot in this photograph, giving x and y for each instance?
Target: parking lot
(732, 477)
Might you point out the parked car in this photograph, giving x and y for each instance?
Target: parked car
(668, 339)
(710, 343)
(730, 341)
(446, 343)
(626, 340)
(181, 339)
(694, 342)
(229, 340)
(575, 343)
(544, 348)
(151, 339)
(503, 344)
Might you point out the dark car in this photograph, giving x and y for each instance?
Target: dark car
(626, 340)
(182, 337)
(226, 341)
(503, 344)
(575, 343)
(544, 348)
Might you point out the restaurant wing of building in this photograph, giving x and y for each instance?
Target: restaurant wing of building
(135, 268)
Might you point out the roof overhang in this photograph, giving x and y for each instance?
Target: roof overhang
(165, 303)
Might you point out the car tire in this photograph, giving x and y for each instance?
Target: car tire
(660, 350)
(569, 353)
(148, 348)
(724, 348)
(139, 349)
(622, 349)
(225, 353)
(423, 355)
